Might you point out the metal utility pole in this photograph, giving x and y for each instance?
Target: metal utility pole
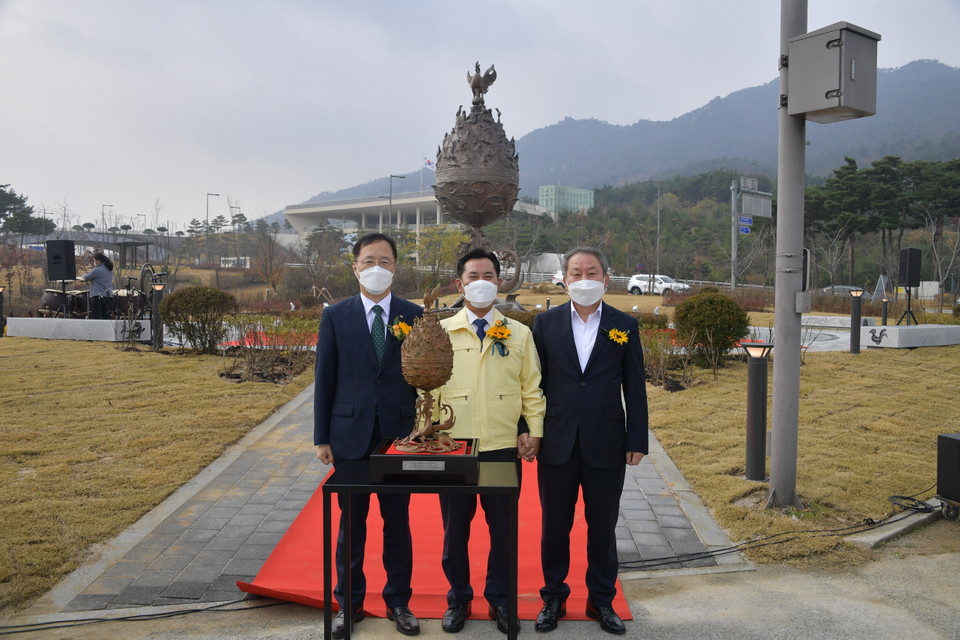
(791, 161)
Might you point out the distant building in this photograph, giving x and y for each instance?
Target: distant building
(557, 199)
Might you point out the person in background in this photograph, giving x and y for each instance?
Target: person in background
(361, 397)
(596, 423)
(101, 287)
(494, 387)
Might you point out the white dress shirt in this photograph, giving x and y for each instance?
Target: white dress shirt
(585, 333)
(368, 306)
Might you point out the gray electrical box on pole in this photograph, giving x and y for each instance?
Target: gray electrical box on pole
(833, 73)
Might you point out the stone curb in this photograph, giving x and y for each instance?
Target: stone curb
(898, 525)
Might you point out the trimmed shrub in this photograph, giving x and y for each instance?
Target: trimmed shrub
(652, 321)
(713, 324)
(197, 316)
(523, 317)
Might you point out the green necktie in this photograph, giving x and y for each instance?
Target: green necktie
(378, 331)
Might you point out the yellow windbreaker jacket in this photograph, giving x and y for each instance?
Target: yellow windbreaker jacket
(490, 392)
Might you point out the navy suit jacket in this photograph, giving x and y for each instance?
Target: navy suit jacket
(589, 404)
(351, 388)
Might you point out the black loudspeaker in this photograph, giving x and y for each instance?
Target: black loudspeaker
(909, 268)
(948, 466)
(61, 262)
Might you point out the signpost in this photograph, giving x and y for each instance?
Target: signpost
(752, 203)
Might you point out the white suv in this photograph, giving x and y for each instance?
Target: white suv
(662, 285)
(557, 279)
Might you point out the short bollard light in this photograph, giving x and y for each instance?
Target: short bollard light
(757, 353)
(883, 310)
(3, 321)
(857, 295)
(156, 327)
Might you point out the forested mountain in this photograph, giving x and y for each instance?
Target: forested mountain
(916, 120)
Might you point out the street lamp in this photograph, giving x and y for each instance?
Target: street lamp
(156, 327)
(207, 226)
(656, 251)
(390, 204)
(757, 353)
(857, 295)
(103, 216)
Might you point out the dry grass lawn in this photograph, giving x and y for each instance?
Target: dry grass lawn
(92, 437)
(868, 429)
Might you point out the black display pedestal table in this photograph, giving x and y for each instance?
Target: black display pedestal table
(494, 478)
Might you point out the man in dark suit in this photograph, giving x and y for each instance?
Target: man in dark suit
(592, 377)
(361, 397)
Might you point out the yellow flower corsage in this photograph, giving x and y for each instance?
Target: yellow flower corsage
(618, 336)
(399, 329)
(499, 333)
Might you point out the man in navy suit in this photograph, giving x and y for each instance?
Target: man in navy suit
(361, 397)
(592, 377)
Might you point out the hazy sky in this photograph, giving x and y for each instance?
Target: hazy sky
(131, 102)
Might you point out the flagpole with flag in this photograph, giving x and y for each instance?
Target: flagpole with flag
(427, 162)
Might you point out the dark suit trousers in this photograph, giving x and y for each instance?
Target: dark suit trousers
(397, 542)
(457, 511)
(559, 486)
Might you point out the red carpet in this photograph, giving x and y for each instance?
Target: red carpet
(294, 571)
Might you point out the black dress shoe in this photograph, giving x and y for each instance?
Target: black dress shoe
(553, 608)
(608, 619)
(455, 617)
(338, 631)
(406, 622)
(503, 620)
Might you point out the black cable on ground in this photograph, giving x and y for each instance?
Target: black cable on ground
(908, 503)
(63, 624)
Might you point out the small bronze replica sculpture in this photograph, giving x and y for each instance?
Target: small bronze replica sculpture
(426, 357)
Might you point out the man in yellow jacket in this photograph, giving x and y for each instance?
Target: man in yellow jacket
(495, 384)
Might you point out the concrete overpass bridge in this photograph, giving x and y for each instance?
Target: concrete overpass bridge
(413, 210)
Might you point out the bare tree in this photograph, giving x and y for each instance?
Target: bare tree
(833, 247)
(944, 246)
(268, 259)
(321, 255)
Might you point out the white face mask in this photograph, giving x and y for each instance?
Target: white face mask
(480, 293)
(375, 279)
(586, 293)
